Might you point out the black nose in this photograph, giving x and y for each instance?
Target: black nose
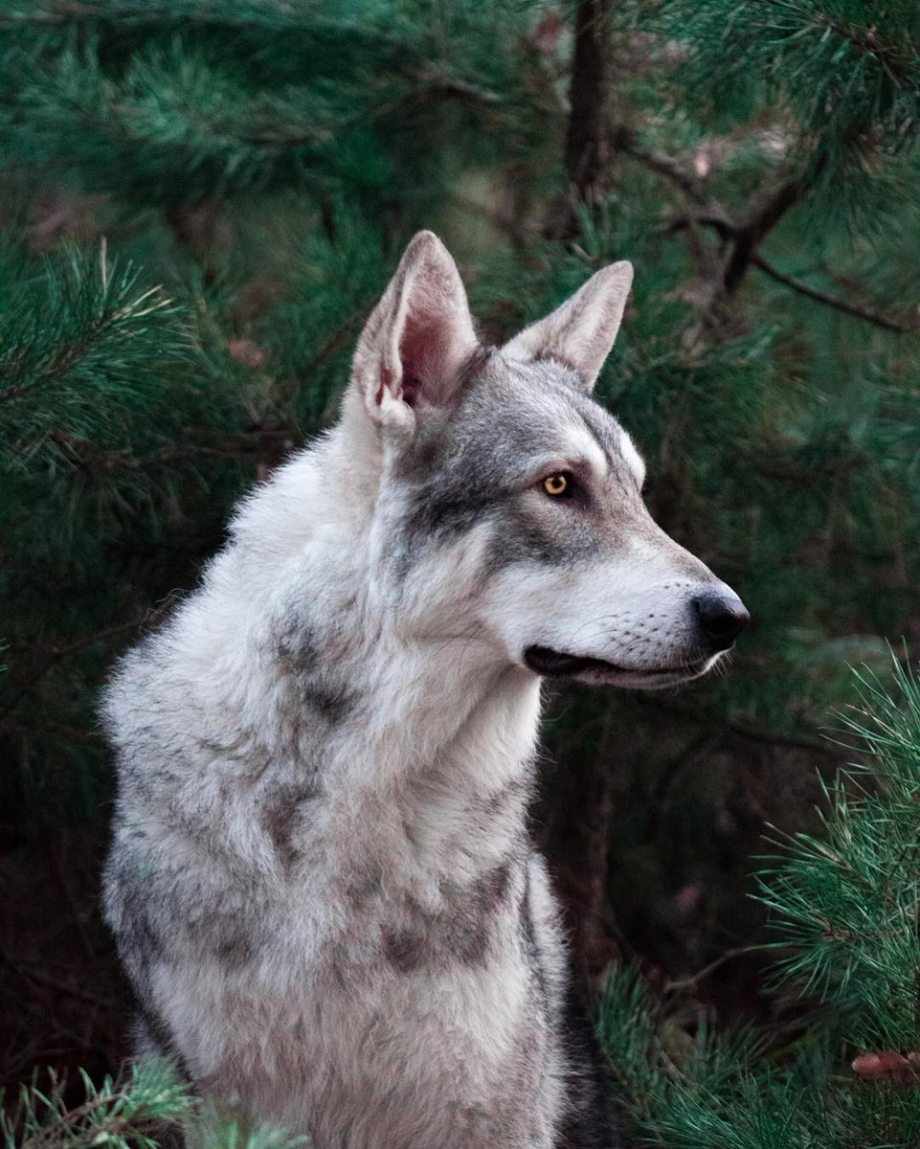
(722, 617)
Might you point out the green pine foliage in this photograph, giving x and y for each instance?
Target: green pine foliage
(848, 904)
(844, 903)
(846, 73)
(145, 1108)
(181, 102)
(103, 378)
(132, 1111)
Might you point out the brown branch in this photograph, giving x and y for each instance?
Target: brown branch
(58, 653)
(729, 955)
(883, 321)
(740, 240)
(763, 219)
(713, 217)
(625, 140)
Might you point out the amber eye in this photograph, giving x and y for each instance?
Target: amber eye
(556, 485)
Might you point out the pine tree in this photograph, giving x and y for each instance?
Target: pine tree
(201, 201)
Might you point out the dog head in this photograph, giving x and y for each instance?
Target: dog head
(508, 506)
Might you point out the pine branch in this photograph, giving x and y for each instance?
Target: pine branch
(843, 305)
(848, 74)
(743, 253)
(179, 124)
(136, 1111)
(272, 15)
(54, 368)
(747, 237)
(131, 1110)
(845, 910)
(627, 141)
(83, 315)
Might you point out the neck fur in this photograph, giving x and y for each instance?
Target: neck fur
(359, 691)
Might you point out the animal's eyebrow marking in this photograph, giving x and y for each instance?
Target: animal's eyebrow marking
(588, 448)
(616, 445)
(634, 460)
(605, 440)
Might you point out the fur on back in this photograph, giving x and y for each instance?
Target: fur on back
(321, 882)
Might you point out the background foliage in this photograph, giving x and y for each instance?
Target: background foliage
(202, 199)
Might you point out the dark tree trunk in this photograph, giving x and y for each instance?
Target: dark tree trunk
(588, 136)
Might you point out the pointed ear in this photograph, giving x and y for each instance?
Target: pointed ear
(419, 335)
(581, 332)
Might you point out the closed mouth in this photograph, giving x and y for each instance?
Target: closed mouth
(555, 664)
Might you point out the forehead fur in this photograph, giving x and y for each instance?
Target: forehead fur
(509, 417)
(524, 409)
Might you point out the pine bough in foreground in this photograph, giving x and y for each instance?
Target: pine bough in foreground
(845, 905)
(148, 1108)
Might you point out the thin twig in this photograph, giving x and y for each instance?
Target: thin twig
(626, 141)
(729, 955)
(57, 653)
(53, 983)
(834, 301)
(723, 226)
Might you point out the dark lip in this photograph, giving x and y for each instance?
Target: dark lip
(555, 664)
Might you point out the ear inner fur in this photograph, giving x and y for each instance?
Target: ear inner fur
(413, 346)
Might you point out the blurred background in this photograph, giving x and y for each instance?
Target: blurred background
(201, 200)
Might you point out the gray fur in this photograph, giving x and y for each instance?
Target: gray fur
(320, 881)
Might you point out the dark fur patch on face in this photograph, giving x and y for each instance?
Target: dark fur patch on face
(455, 469)
(519, 540)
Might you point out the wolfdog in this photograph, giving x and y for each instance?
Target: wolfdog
(321, 883)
